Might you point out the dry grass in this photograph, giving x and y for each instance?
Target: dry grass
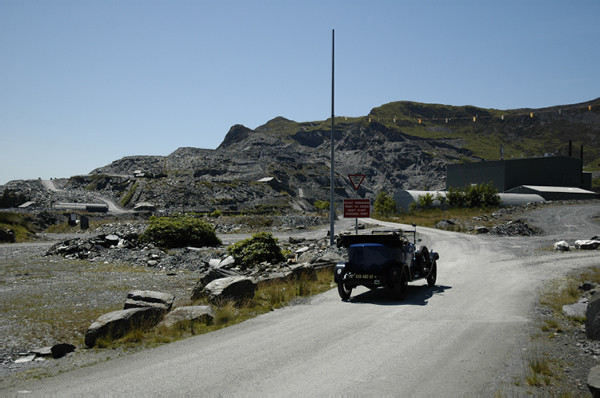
(430, 217)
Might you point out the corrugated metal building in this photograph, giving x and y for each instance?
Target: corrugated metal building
(555, 193)
(551, 171)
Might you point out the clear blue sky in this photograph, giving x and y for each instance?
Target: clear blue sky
(84, 83)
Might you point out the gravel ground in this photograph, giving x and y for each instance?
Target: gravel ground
(73, 293)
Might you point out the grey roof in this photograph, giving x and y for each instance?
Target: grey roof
(541, 188)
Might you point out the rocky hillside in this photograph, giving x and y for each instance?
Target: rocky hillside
(285, 165)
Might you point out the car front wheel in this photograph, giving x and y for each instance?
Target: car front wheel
(344, 291)
(432, 275)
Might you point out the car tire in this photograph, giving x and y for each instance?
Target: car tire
(433, 274)
(424, 260)
(402, 285)
(344, 291)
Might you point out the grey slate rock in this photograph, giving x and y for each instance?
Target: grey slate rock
(146, 298)
(118, 323)
(196, 313)
(593, 381)
(62, 349)
(592, 322)
(233, 288)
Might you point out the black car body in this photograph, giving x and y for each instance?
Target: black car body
(384, 259)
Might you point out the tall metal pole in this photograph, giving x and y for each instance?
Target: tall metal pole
(332, 185)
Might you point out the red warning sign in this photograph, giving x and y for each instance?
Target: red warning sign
(355, 208)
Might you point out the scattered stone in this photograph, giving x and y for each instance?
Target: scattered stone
(25, 359)
(60, 350)
(43, 352)
(578, 309)
(198, 313)
(228, 262)
(587, 244)
(481, 230)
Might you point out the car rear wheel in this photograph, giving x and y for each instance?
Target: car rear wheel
(424, 261)
(344, 291)
(401, 287)
(433, 275)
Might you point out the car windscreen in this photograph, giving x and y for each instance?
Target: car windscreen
(373, 257)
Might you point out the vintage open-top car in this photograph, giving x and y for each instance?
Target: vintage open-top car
(384, 259)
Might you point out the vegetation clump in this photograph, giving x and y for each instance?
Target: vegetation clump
(180, 231)
(480, 195)
(260, 247)
(20, 224)
(385, 205)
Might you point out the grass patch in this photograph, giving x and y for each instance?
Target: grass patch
(20, 224)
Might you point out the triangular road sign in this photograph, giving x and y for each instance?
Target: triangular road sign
(356, 180)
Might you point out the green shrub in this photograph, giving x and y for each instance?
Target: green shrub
(384, 204)
(215, 214)
(474, 196)
(180, 231)
(260, 247)
(426, 200)
(322, 205)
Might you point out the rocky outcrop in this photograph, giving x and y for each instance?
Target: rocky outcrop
(236, 289)
(117, 323)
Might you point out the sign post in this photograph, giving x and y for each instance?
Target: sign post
(357, 207)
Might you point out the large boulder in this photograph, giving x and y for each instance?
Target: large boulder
(587, 244)
(207, 277)
(592, 321)
(146, 298)
(117, 323)
(593, 381)
(561, 246)
(233, 288)
(195, 313)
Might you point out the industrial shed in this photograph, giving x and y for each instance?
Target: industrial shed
(550, 171)
(554, 193)
(405, 198)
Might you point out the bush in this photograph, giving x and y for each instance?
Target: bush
(426, 200)
(322, 205)
(384, 204)
(260, 247)
(179, 231)
(474, 196)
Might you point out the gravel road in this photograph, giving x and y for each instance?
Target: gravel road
(467, 335)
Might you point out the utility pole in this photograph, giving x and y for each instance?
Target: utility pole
(332, 184)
